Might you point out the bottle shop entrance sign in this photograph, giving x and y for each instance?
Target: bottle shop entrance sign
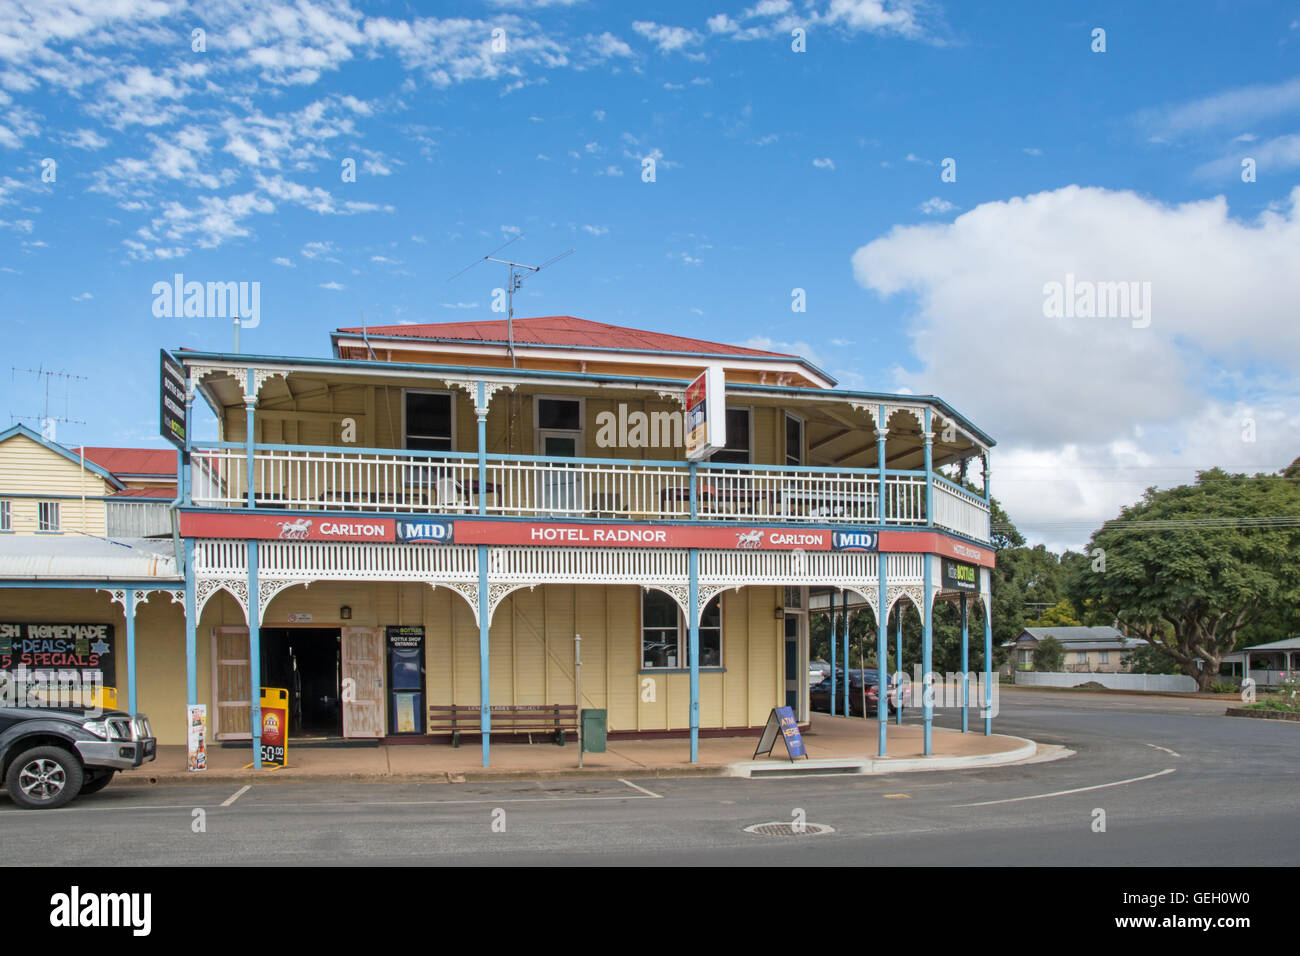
(706, 414)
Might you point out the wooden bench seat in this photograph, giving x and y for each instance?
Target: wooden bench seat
(554, 720)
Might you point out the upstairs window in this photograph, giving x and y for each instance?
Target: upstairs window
(6, 517)
(47, 517)
(793, 440)
(428, 421)
(737, 451)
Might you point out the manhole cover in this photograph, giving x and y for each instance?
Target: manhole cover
(789, 829)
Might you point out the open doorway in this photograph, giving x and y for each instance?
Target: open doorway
(307, 663)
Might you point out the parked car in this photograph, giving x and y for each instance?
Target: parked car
(819, 696)
(51, 755)
(817, 671)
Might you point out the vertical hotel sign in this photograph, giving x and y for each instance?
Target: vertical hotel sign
(706, 414)
(172, 412)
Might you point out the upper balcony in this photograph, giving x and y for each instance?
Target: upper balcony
(829, 440)
(584, 422)
(528, 486)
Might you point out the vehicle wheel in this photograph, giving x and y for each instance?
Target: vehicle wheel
(44, 778)
(97, 781)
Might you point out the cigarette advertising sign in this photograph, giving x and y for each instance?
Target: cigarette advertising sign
(706, 413)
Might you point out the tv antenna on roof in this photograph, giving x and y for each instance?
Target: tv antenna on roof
(46, 420)
(516, 279)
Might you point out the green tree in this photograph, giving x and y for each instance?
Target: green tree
(1060, 614)
(1193, 568)
(1049, 655)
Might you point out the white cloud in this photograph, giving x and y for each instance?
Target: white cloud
(332, 286)
(85, 139)
(605, 47)
(1222, 297)
(824, 163)
(667, 39)
(84, 297)
(596, 230)
(935, 206)
(1239, 107)
(282, 261)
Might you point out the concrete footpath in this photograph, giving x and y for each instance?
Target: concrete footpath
(831, 742)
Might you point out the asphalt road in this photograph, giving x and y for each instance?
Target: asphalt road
(1178, 782)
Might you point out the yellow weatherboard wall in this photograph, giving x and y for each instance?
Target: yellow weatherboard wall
(29, 468)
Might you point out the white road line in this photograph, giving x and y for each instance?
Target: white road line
(1172, 753)
(1062, 793)
(657, 796)
(237, 794)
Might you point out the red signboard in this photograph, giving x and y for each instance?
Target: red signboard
(310, 527)
(932, 542)
(318, 526)
(641, 536)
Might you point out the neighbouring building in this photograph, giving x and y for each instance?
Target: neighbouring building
(83, 587)
(1094, 650)
(1269, 664)
(428, 517)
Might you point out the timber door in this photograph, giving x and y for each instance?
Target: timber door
(363, 682)
(231, 692)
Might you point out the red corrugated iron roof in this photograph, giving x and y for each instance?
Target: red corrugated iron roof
(132, 461)
(154, 491)
(565, 330)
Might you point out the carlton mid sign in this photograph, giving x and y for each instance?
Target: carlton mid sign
(284, 528)
(641, 536)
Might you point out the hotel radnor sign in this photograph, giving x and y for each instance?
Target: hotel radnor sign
(432, 532)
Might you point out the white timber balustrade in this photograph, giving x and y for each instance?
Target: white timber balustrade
(380, 480)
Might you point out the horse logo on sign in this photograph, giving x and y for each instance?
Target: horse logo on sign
(749, 540)
(295, 530)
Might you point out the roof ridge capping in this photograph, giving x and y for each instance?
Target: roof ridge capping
(565, 330)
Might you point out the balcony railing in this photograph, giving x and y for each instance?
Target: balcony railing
(526, 486)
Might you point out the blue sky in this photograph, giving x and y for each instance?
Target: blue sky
(775, 170)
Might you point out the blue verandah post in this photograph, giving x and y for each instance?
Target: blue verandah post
(133, 705)
(927, 679)
(250, 402)
(484, 658)
(480, 411)
(834, 650)
(191, 628)
(929, 480)
(882, 657)
(254, 656)
(965, 665)
(988, 656)
(693, 609)
(484, 612)
(844, 607)
(898, 658)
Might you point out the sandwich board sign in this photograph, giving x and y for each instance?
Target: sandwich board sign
(781, 722)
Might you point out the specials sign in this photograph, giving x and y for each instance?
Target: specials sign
(81, 647)
(641, 536)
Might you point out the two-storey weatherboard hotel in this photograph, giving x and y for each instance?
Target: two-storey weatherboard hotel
(427, 519)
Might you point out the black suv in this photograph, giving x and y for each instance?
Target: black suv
(49, 756)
